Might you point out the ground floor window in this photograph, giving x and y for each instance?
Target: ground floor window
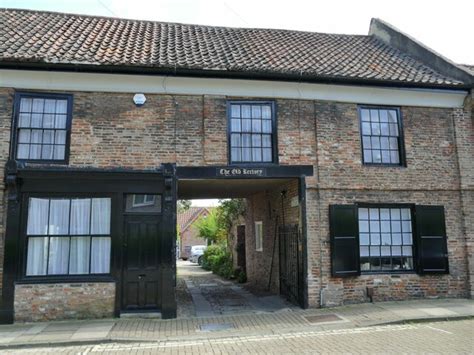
(388, 238)
(385, 238)
(68, 236)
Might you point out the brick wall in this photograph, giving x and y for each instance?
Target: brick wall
(108, 130)
(189, 238)
(266, 206)
(43, 302)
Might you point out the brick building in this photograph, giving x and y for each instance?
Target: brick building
(188, 233)
(355, 155)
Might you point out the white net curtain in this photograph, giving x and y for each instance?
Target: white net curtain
(68, 236)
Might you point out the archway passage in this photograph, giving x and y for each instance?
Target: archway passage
(267, 244)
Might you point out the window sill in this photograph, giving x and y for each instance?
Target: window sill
(388, 273)
(32, 280)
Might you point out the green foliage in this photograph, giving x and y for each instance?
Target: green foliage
(218, 259)
(228, 211)
(209, 228)
(183, 205)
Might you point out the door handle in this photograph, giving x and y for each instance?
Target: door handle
(141, 276)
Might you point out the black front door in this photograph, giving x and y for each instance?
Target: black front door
(141, 272)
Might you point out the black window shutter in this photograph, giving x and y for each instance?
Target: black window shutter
(344, 227)
(432, 250)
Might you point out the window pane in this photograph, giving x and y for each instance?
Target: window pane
(49, 106)
(61, 106)
(267, 154)
(396, 227)
(79, 255)
(363, 213)
(58, 255)
(235, 154)
(235, 125)
(100, 223)
(364, 239)
(24, 136)
(384, 129)
(364, 251)
(374, 238)
(405, 213)
(60, 137)
(60, 121)
(375, 251)
(80, 216)
(100, 255)
(367, 156)
(364, 114)
(395, 213)
(393, 143)
(385, 226)
(37, 120)
(48, 121)
(407, 250)
(375, 142)
(376, 156)
(256, 140)
(246, 154)
(375, 129)
(374, 213)
(36, 136)
(366, 142)
(384, 213)
(396, 239)
(235, 111)
(246, 125)
(385, 156)
(256, 126)
(23, 151)
(256, 154)
(256, 111)
(48, 137)
(385, 251)
(393, 129)
(35, 151)
(24, 120)
(406, 226)
(374, 115)
(363, 226)
(245, 111)
(407, 239)
(37, 216)
(38, 105)
(392, 116)
(394, 157)
(386, 239)
(384, 144)
(47, 152)
(267, 126)
(246, 140)
(26, 105)
(366, 128)
(59, 217)
(235, 140)
(383, 115)
(37, 256)
(267, 140)
(266, 112)
(374, 226)
(59, 151)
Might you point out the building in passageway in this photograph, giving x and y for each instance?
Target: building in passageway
(187, 231)
(354, 155)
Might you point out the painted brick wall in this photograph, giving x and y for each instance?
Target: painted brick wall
(43, 302)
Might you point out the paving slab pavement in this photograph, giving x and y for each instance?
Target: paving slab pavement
(217, 326)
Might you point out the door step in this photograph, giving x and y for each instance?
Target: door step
(140, 315)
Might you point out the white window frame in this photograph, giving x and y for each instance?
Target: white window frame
(258, 236)
(145, 202)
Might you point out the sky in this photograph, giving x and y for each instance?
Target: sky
(445, 26)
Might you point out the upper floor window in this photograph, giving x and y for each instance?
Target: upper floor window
(252, 132)
(382, 141)
(42, 127)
